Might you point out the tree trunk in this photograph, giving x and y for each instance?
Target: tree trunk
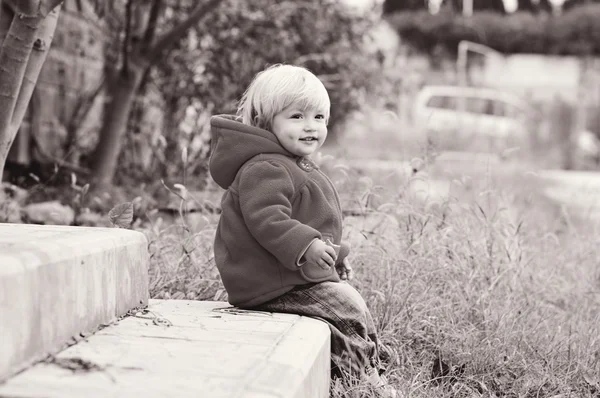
(22, 55)
(392, 6)
(121, 92)
(123, 89)
(534, 6)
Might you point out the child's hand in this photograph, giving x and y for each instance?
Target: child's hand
(321, 254)
(344, 270)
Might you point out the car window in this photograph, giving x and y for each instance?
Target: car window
(479, 105)
(441, 102)
(499, 108)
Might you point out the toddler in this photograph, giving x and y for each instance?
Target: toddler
(278, 245)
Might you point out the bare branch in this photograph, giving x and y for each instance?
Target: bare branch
(102, 8)
(125, 49)
(151, 28)
(82, 109)
(59, 162)
(178, 31)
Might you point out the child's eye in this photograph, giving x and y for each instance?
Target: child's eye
(320, 116)
(296, 116)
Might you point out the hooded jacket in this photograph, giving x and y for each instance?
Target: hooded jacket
(274, 206)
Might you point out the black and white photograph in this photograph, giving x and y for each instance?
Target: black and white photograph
(300, 198)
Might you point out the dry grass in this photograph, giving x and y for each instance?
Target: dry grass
(493, 278)
(497, 282)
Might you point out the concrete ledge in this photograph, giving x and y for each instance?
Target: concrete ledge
(189, 349)
(57, 282)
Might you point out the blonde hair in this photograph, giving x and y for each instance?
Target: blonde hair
(278, 87)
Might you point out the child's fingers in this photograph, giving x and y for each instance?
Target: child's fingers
(331, 251)
(329, 259)
(325, 261)
(323, 264)
(349, 273)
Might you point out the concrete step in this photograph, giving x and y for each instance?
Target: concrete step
(189, 349)
(59, 282)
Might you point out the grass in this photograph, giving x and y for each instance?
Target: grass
(493, 280)
(496, 280)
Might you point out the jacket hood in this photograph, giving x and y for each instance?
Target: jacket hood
(233, 144)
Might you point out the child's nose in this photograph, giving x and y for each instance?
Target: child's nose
(309, 126)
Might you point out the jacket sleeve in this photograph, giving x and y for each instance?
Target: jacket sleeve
(266, 191)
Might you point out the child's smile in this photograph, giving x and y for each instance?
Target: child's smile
(308, 141)
(300, 132)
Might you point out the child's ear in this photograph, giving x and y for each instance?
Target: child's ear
(260, 122)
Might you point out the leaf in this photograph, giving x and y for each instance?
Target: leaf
(439, 369)
(182, 190)
(121, 215)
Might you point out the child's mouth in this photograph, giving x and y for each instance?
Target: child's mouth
(308, 139)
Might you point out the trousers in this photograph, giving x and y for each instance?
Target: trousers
(354, 341)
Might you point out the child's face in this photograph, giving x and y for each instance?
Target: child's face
(300, 132)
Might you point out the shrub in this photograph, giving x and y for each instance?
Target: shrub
(575, 32)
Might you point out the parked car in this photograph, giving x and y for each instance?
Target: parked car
(471, 118)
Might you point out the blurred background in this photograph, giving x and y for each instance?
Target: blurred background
(464, 144)
(125, 94)
(490, 75)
